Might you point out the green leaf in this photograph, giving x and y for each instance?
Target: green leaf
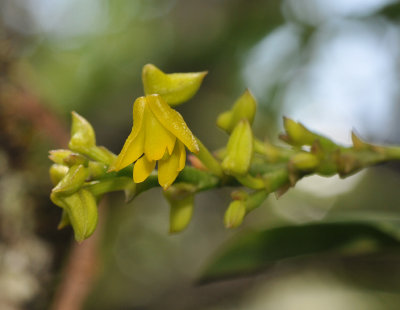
(174, 88)
(251, 251)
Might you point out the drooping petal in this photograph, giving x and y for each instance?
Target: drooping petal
(142, 169)
(134, 144)
(132, 150)
(168, 168)
(182, 155)
(158, 139)
(172, 121)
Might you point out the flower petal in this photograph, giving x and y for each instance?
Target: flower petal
(172, 121)
(142, 169)
(175, 88)
(182, 155)
(132, 150)
(168, 169)
(158, 139)
(134, 144)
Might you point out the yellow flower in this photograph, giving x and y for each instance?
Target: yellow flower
(159, 133)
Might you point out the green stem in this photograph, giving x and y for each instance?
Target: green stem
(209, 160)
(254, 200)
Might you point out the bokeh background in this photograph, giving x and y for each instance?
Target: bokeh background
(333, 65)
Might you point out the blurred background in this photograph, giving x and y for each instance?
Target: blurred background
(333, 65)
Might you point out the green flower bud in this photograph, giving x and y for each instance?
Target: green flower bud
(96, 169)
(235, 214)
(181, 201)
(297, 134)
(82, 213)
(304, 161)
(58, 156)
(175, 88)
(180, 214)
(239, 149)
(82, 135)
(66, 157)
(243, 108)
(57, 173)
(72, 181)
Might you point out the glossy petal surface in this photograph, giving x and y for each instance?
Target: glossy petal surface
(172, 121)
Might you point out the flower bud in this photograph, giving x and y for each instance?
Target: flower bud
(297, 134)
(81, 209)
(58, 156)
(304, 161)
(244, 108)
(181, 201)
(175, 88)
(239, 149)
(57, 173)
(72, 181)
(235, 214)
(82, 135)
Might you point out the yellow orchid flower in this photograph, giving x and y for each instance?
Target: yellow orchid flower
(159, 133)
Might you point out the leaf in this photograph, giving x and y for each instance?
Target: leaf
(251, 251)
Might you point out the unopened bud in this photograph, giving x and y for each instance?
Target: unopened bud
(235, 214)
(181, 201)
(297, 134)
(57, 173)
(243, 108)
(82, 213)
(239, 149)
(72, 181)
(304, 161)
(82, 135)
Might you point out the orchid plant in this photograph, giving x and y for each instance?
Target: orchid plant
(85, 172)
